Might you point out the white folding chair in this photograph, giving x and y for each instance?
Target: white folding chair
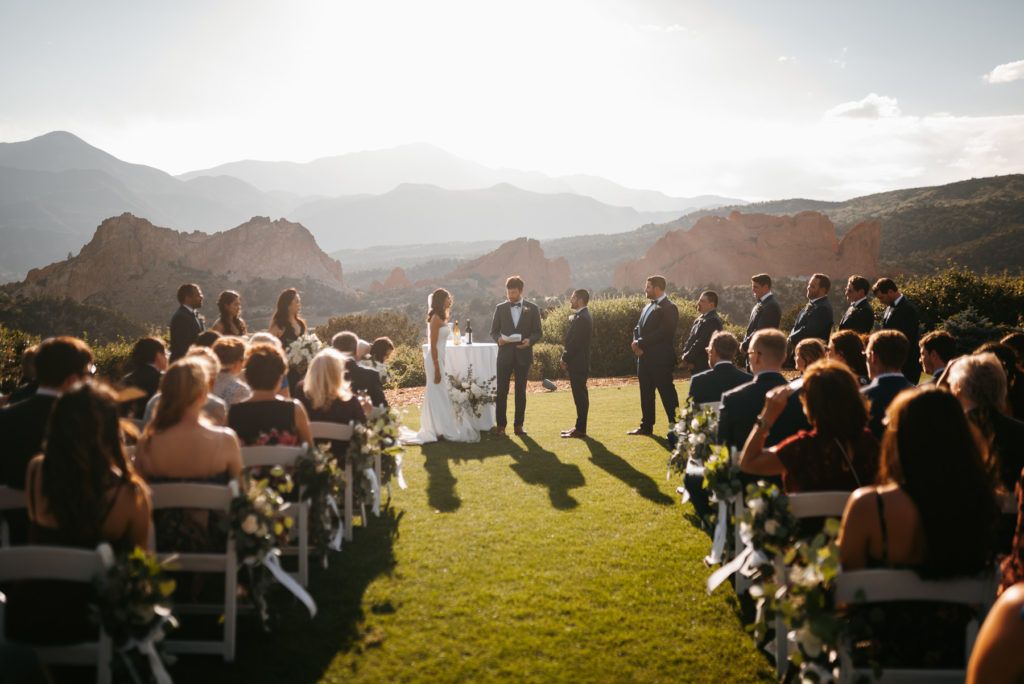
(739, 506)
(285, 456)
(803, 505)
(883, 586)
(10, 500)
(323, 431)
(213, 498)
(70, 565)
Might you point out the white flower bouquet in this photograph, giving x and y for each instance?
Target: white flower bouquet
(301, 351)
(470, 395)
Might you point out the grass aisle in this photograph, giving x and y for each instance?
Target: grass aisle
(516, 559)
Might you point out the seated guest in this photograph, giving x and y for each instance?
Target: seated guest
(937, 349)
(740, 406)
(887, 355)
(180, 445)
(80, 492)
(846, 346)
(807, 352)
(267, 418)
(149, 359)
(28, 384)
(979, 382)
(997, 657)
(380, 352)
(1014, 377)
(708, 322)
(839, 453)
(266, 338)
(935, 512)
(1015, 341)
(215, 409)
(230, 322)
(327, 395)
(363, 380)
(206, 338)
(710, 385)
(229, 386)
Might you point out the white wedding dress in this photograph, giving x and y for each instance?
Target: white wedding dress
(439, 417)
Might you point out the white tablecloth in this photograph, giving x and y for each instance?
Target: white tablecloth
(483, 356)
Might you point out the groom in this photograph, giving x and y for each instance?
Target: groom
(514, 317)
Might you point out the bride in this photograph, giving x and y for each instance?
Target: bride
(439, 420)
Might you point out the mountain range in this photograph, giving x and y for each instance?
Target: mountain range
(56, 189)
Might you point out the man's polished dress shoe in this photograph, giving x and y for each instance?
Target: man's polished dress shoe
(641, 431)
(519, 430)
(498, 431)
(574, 433)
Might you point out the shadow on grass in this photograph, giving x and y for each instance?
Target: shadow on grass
(618, 467)
(338, 626)
(440, 482)
(537, 466)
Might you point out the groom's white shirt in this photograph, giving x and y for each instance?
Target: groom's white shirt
(517, 312)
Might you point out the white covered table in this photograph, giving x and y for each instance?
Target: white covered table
(483, 356)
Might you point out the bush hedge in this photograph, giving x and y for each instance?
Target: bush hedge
(370, 326)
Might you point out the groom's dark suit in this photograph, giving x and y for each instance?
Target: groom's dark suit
(654, 333)
(577, 357)
(185, 328)
(695, 351)
(511, 359)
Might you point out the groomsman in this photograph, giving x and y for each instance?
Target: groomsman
(516, 316)
(655, 356)
(576, 359)
(859, 316)
(723, 376)
(815, 320)
(767, 312)
(186, 323)
(900, 314)
(695, 351)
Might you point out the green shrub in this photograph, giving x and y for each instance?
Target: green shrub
(370, 326)
(406, 365)
(971, 330)
(112, 360)
(547, 362)
(13, 344)
(999, 298)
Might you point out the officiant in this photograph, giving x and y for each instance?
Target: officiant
(515, 328)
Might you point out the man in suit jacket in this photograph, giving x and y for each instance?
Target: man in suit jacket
(900, 314)
(149, 356)
(186, 323)
(886, 354)
(938, 348)
(815, 320)
(515, 316)
(695, 351)
(710, 385)
(656, 357)
(859, 316)
(741, 406)
(767, 312)
(576, 359)
(365, 380)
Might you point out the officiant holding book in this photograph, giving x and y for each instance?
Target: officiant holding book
(515, 328)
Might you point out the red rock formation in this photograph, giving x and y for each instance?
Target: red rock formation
(522, 257)
(729, 251)
(396, 281)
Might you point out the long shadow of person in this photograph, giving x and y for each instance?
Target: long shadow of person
(537, 466)
(440, 480)
(618, 467)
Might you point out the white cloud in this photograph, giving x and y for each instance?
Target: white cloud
(874, 106)
(786, 58)
(1005, 73)
(673, 28)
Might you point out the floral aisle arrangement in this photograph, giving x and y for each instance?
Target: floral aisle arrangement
(471, 395)
(301, 351)
(697, 430)
(378, 437)
(258, 529)
(722, 480)
(133, 606)
(321, 482)
(382, 368)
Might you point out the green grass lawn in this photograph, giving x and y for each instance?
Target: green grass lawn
(516, 559)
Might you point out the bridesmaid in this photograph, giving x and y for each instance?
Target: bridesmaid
(229, 303)
(288, 326)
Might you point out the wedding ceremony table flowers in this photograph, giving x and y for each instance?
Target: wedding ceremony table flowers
(471, 395)
(459, 359)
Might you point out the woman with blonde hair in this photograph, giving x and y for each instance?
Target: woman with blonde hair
(327, 395)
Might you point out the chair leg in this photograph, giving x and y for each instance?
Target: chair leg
(349, 484)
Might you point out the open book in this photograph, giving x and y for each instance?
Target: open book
(512, 338)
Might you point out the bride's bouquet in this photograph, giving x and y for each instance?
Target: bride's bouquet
(301, 351)
(472, 395)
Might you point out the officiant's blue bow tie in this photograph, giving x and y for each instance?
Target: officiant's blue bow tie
(517, 304)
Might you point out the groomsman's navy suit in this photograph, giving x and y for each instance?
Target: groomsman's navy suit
(815, 320)
(903, 317)
(741, 406)
(881, 391)
(577, 357)
(695, 351)
(654, 333)
(185, 328)
(712, 384)
(765, 314)
(511, 359)
(859, 318)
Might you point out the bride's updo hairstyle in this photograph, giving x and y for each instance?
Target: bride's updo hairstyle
(440, 303)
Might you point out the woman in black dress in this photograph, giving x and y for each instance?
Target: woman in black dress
(267, 418)
(288, 326)
(328, 397)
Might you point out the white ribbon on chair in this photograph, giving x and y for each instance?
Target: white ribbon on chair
(271, 562)
(375, 486)
(398, 472)
(718, 538)
(147, 647)
(335, 542)
(746, 562)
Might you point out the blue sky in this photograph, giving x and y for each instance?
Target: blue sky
(752, 99)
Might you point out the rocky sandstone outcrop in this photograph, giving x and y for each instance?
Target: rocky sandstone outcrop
(727, 251)
(397, 280)
(523, 257)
